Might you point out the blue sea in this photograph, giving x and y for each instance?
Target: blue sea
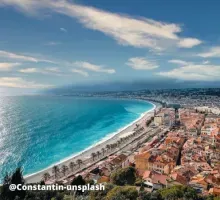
(38, 131)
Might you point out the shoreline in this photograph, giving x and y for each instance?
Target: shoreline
(108, 139)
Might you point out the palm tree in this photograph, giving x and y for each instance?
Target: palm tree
(55, 171)
(108, 147)
(79, 162)
(46, 176)
(71, 166)
(98, 153)
(93, 155)
(103, 151)
(111, 147)
(64, 170)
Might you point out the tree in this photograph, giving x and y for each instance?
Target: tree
(121, 140)
(16, 178)
(122, 193)
(189, 193)
(112, 146)
(98, 153)
(156, 196)
(101, 194)
(64, 169)
(71, 166)
(108, 147)
(78, 181)
(103, 151)
(171, 193)
(46, 176)
(118, 143)
(5, 192)
(124, 176)
(143, 195)
(55, 171)
(59, 196)
(178, 191)
(79, 162)
(93, 155)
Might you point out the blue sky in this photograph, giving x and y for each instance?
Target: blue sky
(51, 43)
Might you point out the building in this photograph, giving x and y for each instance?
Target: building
(159, 119)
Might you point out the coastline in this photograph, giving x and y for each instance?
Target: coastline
(108, 139)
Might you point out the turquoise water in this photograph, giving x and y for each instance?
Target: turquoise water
(38, 131)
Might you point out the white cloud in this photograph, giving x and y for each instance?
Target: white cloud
(10, 55)
(212, 52)
(188, 42)
(52, 43)
(24, 58)
(48, 71)
(29, 70)
(8, 66)
(80, 72)
(194, 73)
(63, 29)
(92, 67)
(179, 62)
(17, 82)
(137, 32)
(140, 63)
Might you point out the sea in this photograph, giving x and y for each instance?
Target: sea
(39, 131)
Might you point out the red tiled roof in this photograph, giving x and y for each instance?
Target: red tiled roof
(214, 191)
(146, 174)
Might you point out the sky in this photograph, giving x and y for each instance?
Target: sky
(52, 43)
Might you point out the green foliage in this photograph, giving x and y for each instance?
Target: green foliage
(59, 196)
(124, 176)
(139, 182)
(44, 195)
(67, 197)
(212, 197)
(90, 181)
(143, 195)
(101, 195)
(156, 196)
(177, 192)
(122, 193)
(78, 181)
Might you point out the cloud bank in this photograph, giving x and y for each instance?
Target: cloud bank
(126, 30)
